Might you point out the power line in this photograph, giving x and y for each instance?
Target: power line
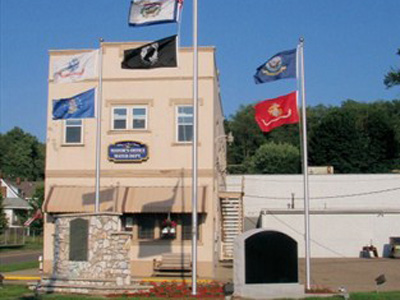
(328, 197)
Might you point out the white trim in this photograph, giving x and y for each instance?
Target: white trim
(129, 117)
(177, 124)
(65, 131)
(146, 116)
(113, 118)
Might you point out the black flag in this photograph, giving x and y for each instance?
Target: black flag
(158, 54)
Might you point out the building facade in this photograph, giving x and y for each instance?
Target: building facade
(151, 110)
(347, 211)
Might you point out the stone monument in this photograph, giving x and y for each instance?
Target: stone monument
(265, 265)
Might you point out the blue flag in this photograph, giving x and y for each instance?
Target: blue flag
(77, 107)
(281, 65)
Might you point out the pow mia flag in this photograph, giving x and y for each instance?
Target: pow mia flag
(158, 54)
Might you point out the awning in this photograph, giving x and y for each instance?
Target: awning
(78, 199)
(163, 200)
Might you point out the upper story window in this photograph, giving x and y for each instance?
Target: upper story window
(73, 131)
(139, 118)
(129, 118)
(120, 118)
(184, 123)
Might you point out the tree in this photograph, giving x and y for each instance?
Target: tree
(272, 158)
(357, 138)
(247, 138)
(336, 141)
(22, 155)
(392, 78)
(3, 218)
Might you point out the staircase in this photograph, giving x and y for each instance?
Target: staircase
(231, 220)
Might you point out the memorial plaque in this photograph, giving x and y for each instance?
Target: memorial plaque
(270, 257)
(78, 240)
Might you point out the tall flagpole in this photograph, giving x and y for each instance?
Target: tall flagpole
(98, 127)
(305, 167)
(194, 151)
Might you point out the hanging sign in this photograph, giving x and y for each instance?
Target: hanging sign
(128, 151)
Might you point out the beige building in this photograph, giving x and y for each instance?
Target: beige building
(152, 108)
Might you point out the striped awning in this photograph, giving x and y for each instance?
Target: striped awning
(155, 199)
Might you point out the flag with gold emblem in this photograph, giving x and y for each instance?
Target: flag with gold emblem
(273, 113)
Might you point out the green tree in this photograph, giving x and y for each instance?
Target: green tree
(272, 158)
(337, 141)
(392, 78)
(356, 138)
(22, 155)
(3, 219)
(247, 138)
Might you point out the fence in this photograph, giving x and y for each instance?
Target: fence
(12, 237)
(18, 236)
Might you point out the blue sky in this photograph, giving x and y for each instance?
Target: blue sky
(349, 46)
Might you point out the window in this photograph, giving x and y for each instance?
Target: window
(186, 223)
(119, 118)
(151, 226)
(186, 227)
(73, 131)
(146, 225)
(139, 116)
(129, 118)
(184, 122)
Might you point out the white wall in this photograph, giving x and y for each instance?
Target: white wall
(347, 211)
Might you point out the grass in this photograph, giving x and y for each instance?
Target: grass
(31, 243)
(19, 266)
(19, 292)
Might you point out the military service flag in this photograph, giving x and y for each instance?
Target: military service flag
(281, 65)
(159, 54)
(77, 107)
(273, 113)
(148, 12)
(72, 68)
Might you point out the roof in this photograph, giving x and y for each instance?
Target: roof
(161, 199)
(25, 189)
(16, 203)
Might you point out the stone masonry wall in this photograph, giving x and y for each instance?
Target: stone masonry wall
(108, 251)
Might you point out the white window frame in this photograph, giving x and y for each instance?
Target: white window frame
(130, 117)
(146, 116)
(177, 114)
(66, 126)
(113, 119)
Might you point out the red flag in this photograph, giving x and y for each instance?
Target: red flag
(38, 215)
(276, 112)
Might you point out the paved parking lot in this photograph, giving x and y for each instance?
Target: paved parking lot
(355, 274)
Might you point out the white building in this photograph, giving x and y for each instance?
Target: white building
(347, 212)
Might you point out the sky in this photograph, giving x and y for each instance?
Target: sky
(349, 46)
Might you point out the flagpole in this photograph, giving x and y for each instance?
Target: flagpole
(194, 151)
(98, 127)
(305, 167)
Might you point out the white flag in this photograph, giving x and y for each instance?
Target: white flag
(72, 68)
(147, 12)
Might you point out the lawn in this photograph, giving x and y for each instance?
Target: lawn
(18, 292)
(19, 266)
(31, 243)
